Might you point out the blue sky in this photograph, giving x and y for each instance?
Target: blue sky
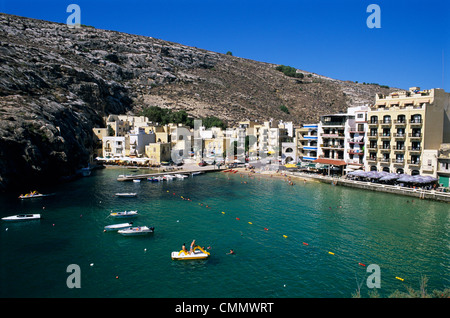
(328, 37)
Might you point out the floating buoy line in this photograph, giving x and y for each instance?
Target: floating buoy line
(265, 229)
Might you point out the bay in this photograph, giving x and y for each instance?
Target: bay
(305, 240)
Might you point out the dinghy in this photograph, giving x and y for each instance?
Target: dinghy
(124, 214)
(116, 227)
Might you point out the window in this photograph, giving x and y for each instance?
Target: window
(360, 116)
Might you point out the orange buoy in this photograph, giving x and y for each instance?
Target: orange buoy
(305, 243)
(238, 219)
(266, 229)
(361, 264)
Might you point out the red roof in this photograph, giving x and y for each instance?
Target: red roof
(333, 162)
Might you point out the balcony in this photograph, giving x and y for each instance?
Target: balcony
(353, 141)
(385, 149)
(371, 159)
(399, 136)
(373, 136)
(384, 136)
(414, 162)
(332, 135)
(399, 123)
(414, 149)
(333, 147)
(415, 136)
(373, 124)
(386, 123)
(384, 161)
(354, 130)
(398, 149)
(372, 148)
(415, 122)
(398, 162)
(355, 152)
(333, 123)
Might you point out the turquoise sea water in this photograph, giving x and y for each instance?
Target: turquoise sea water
(406, 238)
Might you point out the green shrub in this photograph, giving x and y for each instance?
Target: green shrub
(289, 71)
(284, 109)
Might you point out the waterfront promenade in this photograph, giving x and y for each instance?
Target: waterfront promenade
(396, 189)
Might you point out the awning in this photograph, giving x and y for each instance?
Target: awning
(333, 162)
(354, 167)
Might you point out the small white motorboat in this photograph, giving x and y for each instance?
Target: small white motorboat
(168, 177)
(126, 195)
(124, 214)
(197, 253)
(116, 227)
(136, 180)
(22, 217)
(137, 230)
(180, 176)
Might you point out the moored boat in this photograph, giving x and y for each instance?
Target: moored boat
(168, 177)
(116, 227)
(137, 230)
(22, 217)
(180, 176)
(124, 214)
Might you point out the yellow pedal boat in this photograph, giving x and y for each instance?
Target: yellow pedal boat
(197, 253)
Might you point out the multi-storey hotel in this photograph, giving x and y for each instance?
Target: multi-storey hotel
(306, 137)
(406, 129)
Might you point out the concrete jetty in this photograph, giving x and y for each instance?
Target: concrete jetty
(188, 172)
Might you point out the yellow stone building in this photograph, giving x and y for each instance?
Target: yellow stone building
(406, 129)
(158, 152)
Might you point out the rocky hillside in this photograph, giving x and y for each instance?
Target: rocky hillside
(56, 83)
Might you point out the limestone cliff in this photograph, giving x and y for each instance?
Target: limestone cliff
(56, 83)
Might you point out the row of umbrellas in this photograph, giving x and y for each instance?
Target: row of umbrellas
(386, 176)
